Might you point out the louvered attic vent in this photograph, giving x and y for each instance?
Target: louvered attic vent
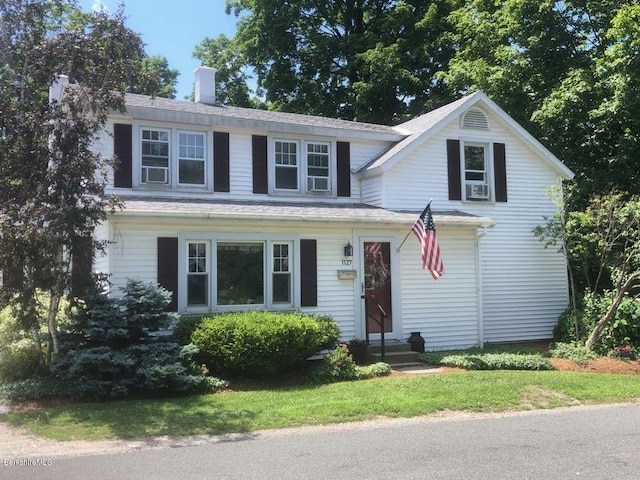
(475, 119)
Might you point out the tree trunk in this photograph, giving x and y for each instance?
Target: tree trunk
(35, 332)
(54, 303)
(611, 312)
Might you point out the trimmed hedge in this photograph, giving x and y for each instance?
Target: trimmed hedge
(488, 361)
(259, 343)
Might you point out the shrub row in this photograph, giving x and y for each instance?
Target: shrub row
(487, 361)
(259, 343)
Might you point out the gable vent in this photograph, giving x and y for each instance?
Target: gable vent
(475, 119)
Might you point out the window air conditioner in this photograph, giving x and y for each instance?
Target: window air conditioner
(155, 175)
(477, 191)
(318, 184)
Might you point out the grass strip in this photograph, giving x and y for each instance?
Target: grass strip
(398, 396)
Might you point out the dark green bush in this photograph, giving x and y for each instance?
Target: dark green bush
(259, 343)
(338, 366)
(623, 330)
(565, 330)
(36, 389)
(185, 327)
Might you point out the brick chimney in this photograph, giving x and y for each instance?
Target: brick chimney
(205, 85)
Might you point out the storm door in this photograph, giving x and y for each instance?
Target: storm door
(377, 285)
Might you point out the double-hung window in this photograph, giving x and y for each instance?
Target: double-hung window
(173, 158)
(197, 274)
(191, 158)
(155, 148)
(281, 273)
(286, 165)
(302, 166)
(318, 167)
(476, 171)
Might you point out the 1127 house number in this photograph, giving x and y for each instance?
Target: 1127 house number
(347, 261)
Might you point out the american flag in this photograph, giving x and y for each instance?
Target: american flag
(425, 230)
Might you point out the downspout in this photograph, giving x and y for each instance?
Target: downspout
(479, 234)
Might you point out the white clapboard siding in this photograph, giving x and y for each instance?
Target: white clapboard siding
(419, 177)
(524, 285)
(103, 145)
(101, 260)
(134, 255)
(335, 296)
(444, 311)
(373, 191)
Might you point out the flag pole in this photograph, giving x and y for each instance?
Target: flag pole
(410, 230)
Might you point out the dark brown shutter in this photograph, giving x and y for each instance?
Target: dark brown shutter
(220, 162)
(453, 169)
(168, 268)
(308, 273)
(81, 265)
(122, 144)
(343, 167)
(500, 171)
(259, 151)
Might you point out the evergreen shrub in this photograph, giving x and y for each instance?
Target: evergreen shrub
(110, 352)
(259, 343)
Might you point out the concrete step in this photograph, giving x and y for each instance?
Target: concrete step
(394, 357)
(389, 346)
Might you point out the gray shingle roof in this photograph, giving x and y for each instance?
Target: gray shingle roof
(415, 128)
(141, 104)
(352, 213)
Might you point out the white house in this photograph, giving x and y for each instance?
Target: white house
(233, 208)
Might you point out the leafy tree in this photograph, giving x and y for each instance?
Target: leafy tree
(603, 244)
(567, 71)
(50, 196)
(367, 60)
(154, 77)
(231, 78)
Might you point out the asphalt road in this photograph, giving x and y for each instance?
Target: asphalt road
(582, 443)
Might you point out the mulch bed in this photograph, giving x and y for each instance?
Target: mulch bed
(601, 365)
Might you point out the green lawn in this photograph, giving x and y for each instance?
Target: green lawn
(398, 396)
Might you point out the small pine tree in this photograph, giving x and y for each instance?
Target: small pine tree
(110, 353)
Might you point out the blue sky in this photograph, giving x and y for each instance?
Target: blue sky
(173, 28)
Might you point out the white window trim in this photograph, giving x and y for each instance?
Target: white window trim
(332, 168)
(302, 190)
(172, 185)
(488, 151)
(299, 164)
(212, 260)
(205, 160)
